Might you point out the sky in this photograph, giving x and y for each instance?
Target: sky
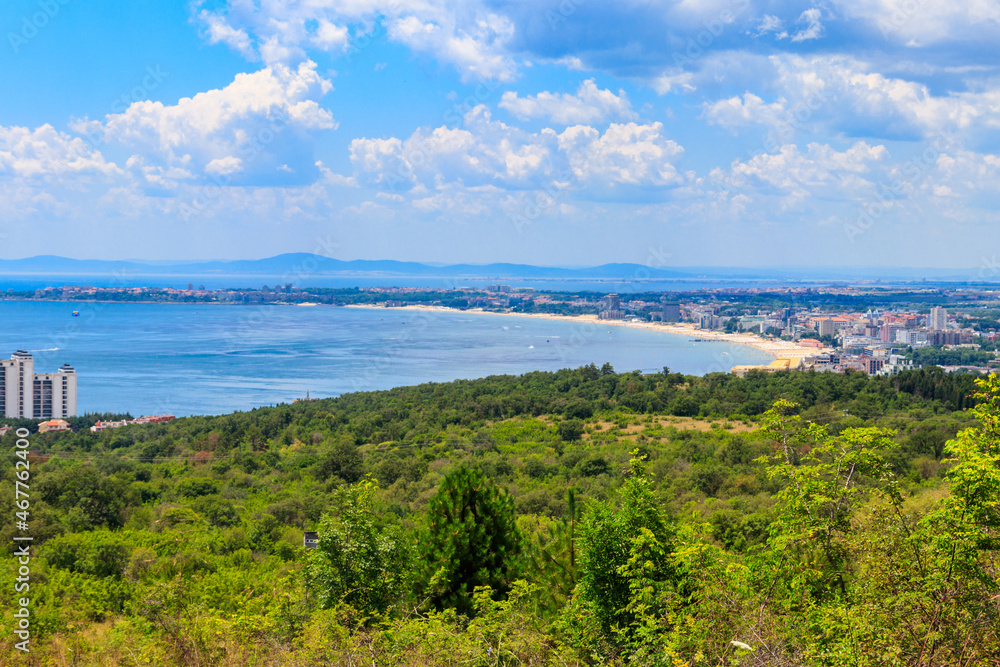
(552, 132)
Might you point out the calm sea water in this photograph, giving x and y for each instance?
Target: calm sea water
(207, 359)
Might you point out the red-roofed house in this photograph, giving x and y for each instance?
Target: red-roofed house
(54, 426)
(100, 426)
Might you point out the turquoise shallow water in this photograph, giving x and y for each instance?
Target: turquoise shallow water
(202, 359)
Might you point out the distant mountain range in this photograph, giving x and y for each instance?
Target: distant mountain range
(294, 265)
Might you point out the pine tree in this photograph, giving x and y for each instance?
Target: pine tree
(472, 540)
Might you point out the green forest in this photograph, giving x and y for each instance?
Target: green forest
(579, 517)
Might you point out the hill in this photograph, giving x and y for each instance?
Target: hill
(632, 516)
(294, 264)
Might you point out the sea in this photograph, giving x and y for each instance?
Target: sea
(192, 359)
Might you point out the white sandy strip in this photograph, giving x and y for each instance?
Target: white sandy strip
(778, 348)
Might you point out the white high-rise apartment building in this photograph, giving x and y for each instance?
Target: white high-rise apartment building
(25, 394)
(938, 319)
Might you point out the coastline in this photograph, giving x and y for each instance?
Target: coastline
(776, 348)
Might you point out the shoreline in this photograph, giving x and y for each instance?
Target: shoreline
(776, 348)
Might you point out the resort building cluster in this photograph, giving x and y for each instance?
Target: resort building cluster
(870, 342)
(100, 426)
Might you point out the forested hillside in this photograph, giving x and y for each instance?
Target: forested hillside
(571, 518)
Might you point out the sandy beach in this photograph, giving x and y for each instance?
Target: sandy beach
(777, 348)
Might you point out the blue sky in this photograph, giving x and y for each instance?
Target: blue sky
(556, 132)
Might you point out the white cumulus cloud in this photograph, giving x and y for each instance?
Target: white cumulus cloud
(813, 26)
(466, 35)
(590, 104)
(833, 93)
(257, 126)
(484, 152)
(45, 152)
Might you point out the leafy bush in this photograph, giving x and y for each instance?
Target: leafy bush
(359, 561)
(99, 553)
(570, 430)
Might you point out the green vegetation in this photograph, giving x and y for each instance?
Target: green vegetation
(577, 517)
(472, 540)
(937, 356)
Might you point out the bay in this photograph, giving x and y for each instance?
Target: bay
(188, 359)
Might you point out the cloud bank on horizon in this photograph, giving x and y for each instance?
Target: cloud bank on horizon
(741, 132)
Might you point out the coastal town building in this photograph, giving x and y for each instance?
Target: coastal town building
(671, 311)
(874, 364)
(25, 394)
(153, 419)
(949, 337)
(709, 321)
(887, 332)
(862, 345)
(54, 426)
(911, 338)
(894, 365)
(611, 308)
(100, 426)
(938, 319)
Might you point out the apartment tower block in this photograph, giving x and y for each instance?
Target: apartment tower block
(25, 394)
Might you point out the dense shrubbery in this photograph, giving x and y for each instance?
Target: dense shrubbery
(925, 356)
(577, 517)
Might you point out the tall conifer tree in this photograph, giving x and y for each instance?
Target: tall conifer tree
(472, 540)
